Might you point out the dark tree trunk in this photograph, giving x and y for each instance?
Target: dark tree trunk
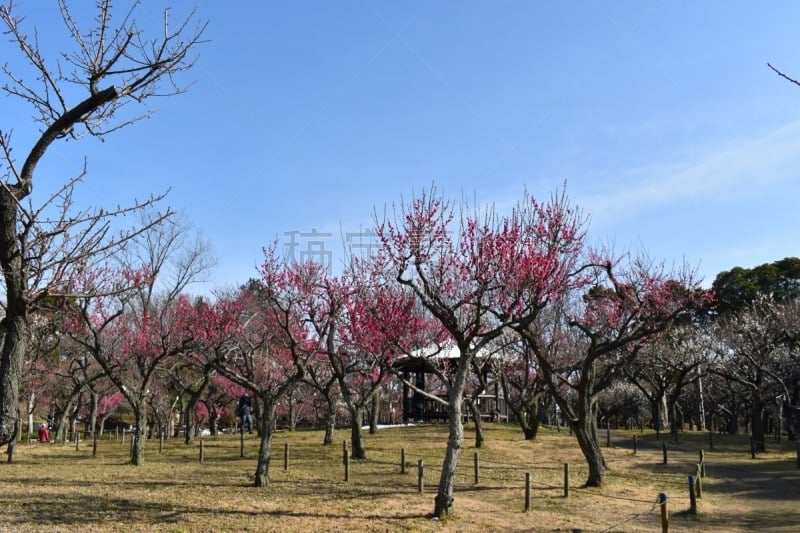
(675, 421)
(659, 411)
(375, 412)
(476, 416)
(789, 419)
(73, 418)
(213, 420)
(526, 413)
(357, 433)
(61, 432)
(191, 423)
(530, 423)
(585, 428)
(330, 423)
(586, 435)
(93, 414)
(177, 431)
(14, 325)
(139, 436)
(102, 427)
(757, 414)
(97, 434)
(291, 413)
(12, 445)
(267, 427)
(13, 333)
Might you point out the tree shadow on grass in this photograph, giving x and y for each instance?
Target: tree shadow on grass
(85, 510)
(89, 511)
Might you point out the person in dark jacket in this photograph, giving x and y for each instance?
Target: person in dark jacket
(245, 406)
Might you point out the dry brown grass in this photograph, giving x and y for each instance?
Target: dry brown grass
(55, 487)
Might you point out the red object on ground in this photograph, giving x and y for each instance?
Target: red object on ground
(44, 434)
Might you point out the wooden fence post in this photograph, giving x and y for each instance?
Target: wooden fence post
(702, 463)
(346, 466)
(662, 499)
(634, 445)
(698, 482)
(202, 450)
(566, 480)
(402, 460)
(692, 497)
(608, 435)
(752, 448)
(241, 444)
(286, 456)
(476, 462)
(420, 476)
(664, 451)
(710, 439)
(344, 452)
(527, 491)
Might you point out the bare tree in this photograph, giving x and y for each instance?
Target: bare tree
(755, 350)
(80, 94)
(665, 369)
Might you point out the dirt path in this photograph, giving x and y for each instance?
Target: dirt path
(761, 494)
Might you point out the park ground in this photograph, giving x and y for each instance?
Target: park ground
(63, 487)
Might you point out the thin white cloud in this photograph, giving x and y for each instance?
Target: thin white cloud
(722, 172)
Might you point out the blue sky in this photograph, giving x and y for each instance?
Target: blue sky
(662, 118)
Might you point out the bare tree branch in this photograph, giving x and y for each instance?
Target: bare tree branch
(782, 75)
(45, 251)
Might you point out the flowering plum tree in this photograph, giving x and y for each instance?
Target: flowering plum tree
(496, 273)
(591, 335)
(219, 396)
(135, 347)
(140, 323)
(190, 376)
(321, 379)
(376, 321)
(108, 402)
(270, 351)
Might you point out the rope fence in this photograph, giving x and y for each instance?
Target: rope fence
(500, 475)
(472, 470)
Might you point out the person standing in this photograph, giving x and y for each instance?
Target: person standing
(245, 407)
(44, 433)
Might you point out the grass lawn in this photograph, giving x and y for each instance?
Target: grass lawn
(56, 487)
